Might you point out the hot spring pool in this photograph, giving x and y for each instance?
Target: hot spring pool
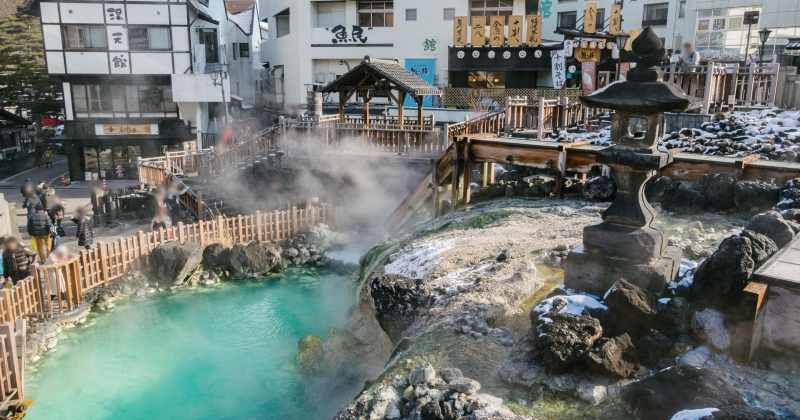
(225, 353)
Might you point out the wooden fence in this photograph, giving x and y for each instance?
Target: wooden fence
(54, 289)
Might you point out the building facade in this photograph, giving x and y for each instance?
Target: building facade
(138, 78)
(16, 136)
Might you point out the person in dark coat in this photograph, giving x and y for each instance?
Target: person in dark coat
(39, 228)
(84, 228)
(17, 261)
(30, 197)
(57, 214)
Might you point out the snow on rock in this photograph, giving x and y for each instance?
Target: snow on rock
(685, 275)
(419, 261)
(709, 324)
(569, 304)
(696, 414)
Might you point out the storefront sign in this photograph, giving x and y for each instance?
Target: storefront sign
(514, 31)
(478, 37)
(115, 13)
(357, 35)
(430, 44)
(587, 54)
(117, 38)
(534, 30)
(425, 68)
(460, 31)
(126, 129)
(558, 68)
(590, 18)
(615, 21)
(497, 29)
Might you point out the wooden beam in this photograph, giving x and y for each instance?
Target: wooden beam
(466, 178)
(419, 100)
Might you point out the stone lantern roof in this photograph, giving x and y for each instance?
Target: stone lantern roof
(642, 93)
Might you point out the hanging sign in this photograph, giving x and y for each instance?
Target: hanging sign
(632, 34)
(590, 18)
(568, 48)
(534, 30)
(460, 31)
(587, 54)
(125, 129)
(615, 21)
(588, 73)
(478, 31)
(558, 68)
(117, 38)
(497, 29)
(514, 31)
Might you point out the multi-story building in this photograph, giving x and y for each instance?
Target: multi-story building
(138, 77)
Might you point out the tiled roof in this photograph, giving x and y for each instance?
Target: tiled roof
(238, 6)
(391, 71)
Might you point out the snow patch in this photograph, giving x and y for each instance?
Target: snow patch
(569, 304)
(418, 262)
(696, 414)
(685, 275)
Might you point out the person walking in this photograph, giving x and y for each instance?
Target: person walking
(39, 229)
(17, 261)
(57, 214)
(30, 198)
(84, 228)
(55, 277)
(689, 58)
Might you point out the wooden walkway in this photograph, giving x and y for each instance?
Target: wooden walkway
(783, 269)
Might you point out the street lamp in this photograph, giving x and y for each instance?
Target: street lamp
(621, 39)
(764, 36)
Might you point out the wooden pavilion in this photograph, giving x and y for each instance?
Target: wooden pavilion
(381, 79)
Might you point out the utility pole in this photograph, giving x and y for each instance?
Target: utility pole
(750, 19)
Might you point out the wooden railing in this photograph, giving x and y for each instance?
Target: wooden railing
(724, 86)
(54, 289)
(12, 366)
(485, 98)
(492, 122)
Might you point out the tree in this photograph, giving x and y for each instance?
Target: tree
(24, 82)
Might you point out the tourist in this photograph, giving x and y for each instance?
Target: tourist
(84, 228)
(39, 230)
(2, 250)
(17, 261)
(55, 276)
(56, 212)
(689, 58)
(30, 198)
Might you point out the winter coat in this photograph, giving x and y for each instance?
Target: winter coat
(85, 231)
(39, 224)
(30, 203)
(17, 264)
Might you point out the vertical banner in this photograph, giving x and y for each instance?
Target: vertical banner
(117, 38)
(514, 31)
(460, 28)
(425, 68)
(534, 30)
(478, 31)
(590, 17)
(588, 77)
(615, 21)
(497, 29)
(558, 68)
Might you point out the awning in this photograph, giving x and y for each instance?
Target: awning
(793, 45)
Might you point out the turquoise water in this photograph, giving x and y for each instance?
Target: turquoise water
(225, 353)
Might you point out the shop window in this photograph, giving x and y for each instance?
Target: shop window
(373, 13)
(486, 79)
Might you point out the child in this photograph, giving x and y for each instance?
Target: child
(17, 261)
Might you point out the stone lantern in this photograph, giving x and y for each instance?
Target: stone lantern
(626, 245)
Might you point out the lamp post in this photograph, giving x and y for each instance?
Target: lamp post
(621, 39)
(764, 36)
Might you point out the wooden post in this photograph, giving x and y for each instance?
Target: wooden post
(751, 85)
(419, 99)
(401, 99)
(365, 110)
(467, 176)
(103, 261)
(457, 169)
(540, 123)
(708, 87)
(435, 185)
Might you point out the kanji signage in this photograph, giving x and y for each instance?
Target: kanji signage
(120, 63)
(590, 18)
(126, 129)
(460, 31)
(587, 54)
(534, 30)
(117, 38)
(558, 68)
(341, 35)
(615, 21)
(478, 38)
(514, 31)
(115, 13)
(497, 29)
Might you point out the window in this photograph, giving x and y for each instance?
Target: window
(373, 13)
(601, 19)
(735, 22)
(655, 14)
(704, 13)
(82, 37)
(283, 23)
(329, 14)
(411, 15)
(208, 37)
(449, 13)
(719, 24)
(682, 8)
(531, 7)
(91, 100)
(567, 20)
(148, 38)
(235, 50)
(486, 79)
(703, 25)
(491, 7)
(244, 49)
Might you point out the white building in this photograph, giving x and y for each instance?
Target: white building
(138, 77)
